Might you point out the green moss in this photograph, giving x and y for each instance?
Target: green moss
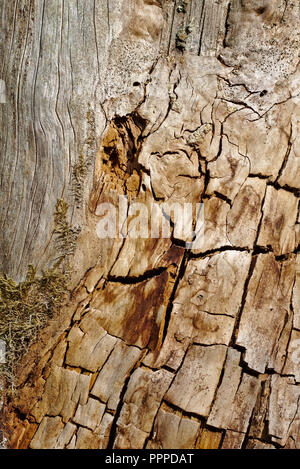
(25, 307)
(84, 161)
(91, 137)
(78, 176)
(65, 235)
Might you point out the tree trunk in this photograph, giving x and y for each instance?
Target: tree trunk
(169, 342)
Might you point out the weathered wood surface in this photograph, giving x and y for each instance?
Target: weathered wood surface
(159, 346)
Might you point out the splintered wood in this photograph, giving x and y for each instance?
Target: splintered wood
(163, 343)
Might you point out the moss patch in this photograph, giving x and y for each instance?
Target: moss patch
(85, 159)
(25, 308)
(65, 235)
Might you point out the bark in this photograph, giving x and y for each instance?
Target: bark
(158, 346)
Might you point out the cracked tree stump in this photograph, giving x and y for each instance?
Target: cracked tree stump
(158, 345)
